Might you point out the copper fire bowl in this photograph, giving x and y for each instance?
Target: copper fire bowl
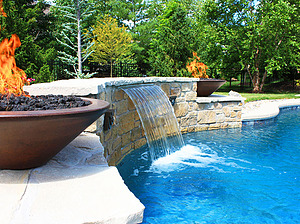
(205, 87)
(30, 139)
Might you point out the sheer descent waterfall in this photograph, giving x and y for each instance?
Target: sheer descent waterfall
(158, 119)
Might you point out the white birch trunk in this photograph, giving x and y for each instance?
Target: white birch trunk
(79, 40)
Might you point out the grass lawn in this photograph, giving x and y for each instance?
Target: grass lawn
(271, 92)
(264, 96)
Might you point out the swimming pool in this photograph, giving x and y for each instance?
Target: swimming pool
(248, 175)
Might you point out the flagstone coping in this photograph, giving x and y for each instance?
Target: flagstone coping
(266, 109)
(76, 186)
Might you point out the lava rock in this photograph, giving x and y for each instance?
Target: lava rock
(42, 102)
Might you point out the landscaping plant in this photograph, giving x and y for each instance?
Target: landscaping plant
(110, 42)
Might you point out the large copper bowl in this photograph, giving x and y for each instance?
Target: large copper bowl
(30, 139)
(205, 87)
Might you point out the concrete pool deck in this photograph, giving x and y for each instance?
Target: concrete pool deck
(77, 186)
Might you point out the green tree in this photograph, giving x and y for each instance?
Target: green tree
(145, 32)
(173, 42)
(74, 15)
(259, 35)
(110, 42)
(133, 14)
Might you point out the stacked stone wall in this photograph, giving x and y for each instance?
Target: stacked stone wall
(193, 114)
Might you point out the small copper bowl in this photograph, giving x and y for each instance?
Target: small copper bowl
(205, 87)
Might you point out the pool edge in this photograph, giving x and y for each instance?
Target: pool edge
(268, 110)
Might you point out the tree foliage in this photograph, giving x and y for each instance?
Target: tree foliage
(173, 41)
(257, 37)
(77, 45)
(129, 12)
(110, 41)
(260, 36)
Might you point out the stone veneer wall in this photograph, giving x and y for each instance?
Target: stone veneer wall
(193, 114)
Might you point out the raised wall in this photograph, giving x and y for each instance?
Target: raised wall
(193, 113)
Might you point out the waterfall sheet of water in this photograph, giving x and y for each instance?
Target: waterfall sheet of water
(158, 119)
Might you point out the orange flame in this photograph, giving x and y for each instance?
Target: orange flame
(197, 68)
(12, 78)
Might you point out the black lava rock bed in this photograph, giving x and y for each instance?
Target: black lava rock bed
(43, 102)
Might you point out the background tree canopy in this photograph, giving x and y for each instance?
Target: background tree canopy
(258, 37)
(173, 41)
(255, 38)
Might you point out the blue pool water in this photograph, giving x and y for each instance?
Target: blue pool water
(248, 175)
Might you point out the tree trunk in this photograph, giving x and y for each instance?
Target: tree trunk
(252, 76)
(256, 78)
(263, 81)
(111, 68)
(255, 82)
(79, 40)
